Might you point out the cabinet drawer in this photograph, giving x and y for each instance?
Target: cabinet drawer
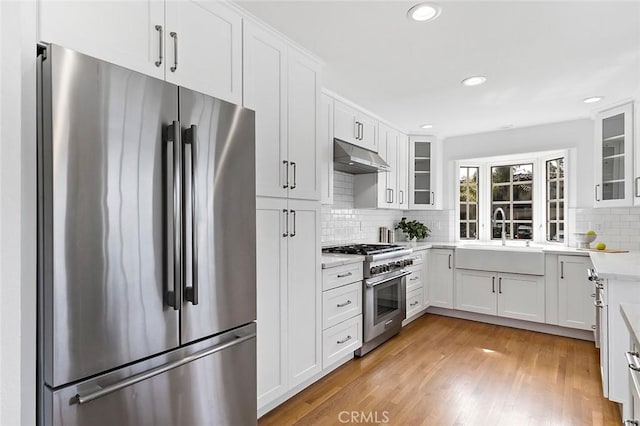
(418, 257)
(341, 275)
(414, 280)
(341, 303)
(414, 302)
(339, 340)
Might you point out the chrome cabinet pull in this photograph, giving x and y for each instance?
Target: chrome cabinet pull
(414, 278)
(593, 295)
(293, 213)
(632, 360)
(293, 164)
(401, 193)
(361, 130)
(562, 270)
(342, 305)
(286, 167)
(173, 297)
(346, 339)
(450, 261)
(393, 196)
(597, 186)
(174, 35)
(191, 292)
(593, 327)
(500, 285)
(433, 198)
(493, 284)
(414, 304)
(286, 222)
(348, 274)
(356, 129)
(638, 186)
(160, 41)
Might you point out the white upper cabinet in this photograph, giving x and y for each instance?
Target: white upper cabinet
(354, 126)
(424, 190)
(193, 44)
(325, 142)
(403, 172)
(129, 34)
(203, 42)
(636, 148)
(282, 86)
(614, 157)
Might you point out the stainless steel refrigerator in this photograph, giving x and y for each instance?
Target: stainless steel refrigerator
(146, 260)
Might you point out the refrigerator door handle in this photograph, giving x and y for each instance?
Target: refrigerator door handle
(83, 399)
(174, 211)
(191, 293)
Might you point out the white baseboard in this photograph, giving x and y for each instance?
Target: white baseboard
(509, 322)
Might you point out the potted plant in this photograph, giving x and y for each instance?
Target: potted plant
(413, 229)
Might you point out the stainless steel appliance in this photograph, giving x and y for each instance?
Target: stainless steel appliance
(384, 290)
(601, 332)
(146, 259)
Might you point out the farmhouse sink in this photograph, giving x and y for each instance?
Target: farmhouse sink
(516, 259)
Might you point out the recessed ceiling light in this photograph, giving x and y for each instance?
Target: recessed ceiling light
(427, 126)
(424, 12)
(592, 99)
(506, 126)
(474, 81)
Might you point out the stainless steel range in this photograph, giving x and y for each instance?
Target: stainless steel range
(384, 289)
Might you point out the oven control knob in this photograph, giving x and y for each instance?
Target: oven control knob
(372, 271)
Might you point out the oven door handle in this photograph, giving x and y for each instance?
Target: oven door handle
(372, 283)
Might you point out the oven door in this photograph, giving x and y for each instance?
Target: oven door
(385, 305)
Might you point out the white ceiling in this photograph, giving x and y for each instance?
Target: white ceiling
(541, 58)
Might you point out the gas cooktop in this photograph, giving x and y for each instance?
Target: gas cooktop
(363, 249)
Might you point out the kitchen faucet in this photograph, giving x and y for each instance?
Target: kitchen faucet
(495, 214)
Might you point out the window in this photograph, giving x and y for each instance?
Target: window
(512, 191)
(555, 199)
(469, 203)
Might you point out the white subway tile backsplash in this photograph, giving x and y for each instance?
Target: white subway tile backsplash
(618, 227)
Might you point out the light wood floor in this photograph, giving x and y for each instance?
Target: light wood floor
(447, 371)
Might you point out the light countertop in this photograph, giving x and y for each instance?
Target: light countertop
(617, 266)
(330, 260)
(631, 315)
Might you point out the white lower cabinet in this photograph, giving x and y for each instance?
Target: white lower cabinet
(441, 277)
(289, 315)
(415, 302)
(341, 312)
(415, 284)
(507, 295)
(575, 303)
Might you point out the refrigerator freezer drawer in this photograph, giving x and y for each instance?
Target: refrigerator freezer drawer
(209, 382)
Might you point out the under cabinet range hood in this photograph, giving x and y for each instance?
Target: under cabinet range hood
(350, 158)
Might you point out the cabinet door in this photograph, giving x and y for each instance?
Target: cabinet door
(344, 123)
(614, 157)
(368, 132)
(521, 297)
(304, 301)
(392, 160)
(204, 48)
(575, 304)
(402, 163)
(383, 189)
(441, 277)
(422, 193)
(325, 141)
(265, 76)
(271, 263)
(476, 291)
(123, 33)
(303, 102)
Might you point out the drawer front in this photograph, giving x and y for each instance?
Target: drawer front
(418, 257)
(341, 303)
(341, 275)
(339, 340)
(414, 302)
(414, 280)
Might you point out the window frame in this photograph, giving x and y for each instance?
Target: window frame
(485, 214)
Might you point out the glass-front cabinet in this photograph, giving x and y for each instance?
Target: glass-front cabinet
(423, 183)
(614, 157)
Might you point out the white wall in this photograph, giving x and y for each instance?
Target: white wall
(17, 213)
(576, 134)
